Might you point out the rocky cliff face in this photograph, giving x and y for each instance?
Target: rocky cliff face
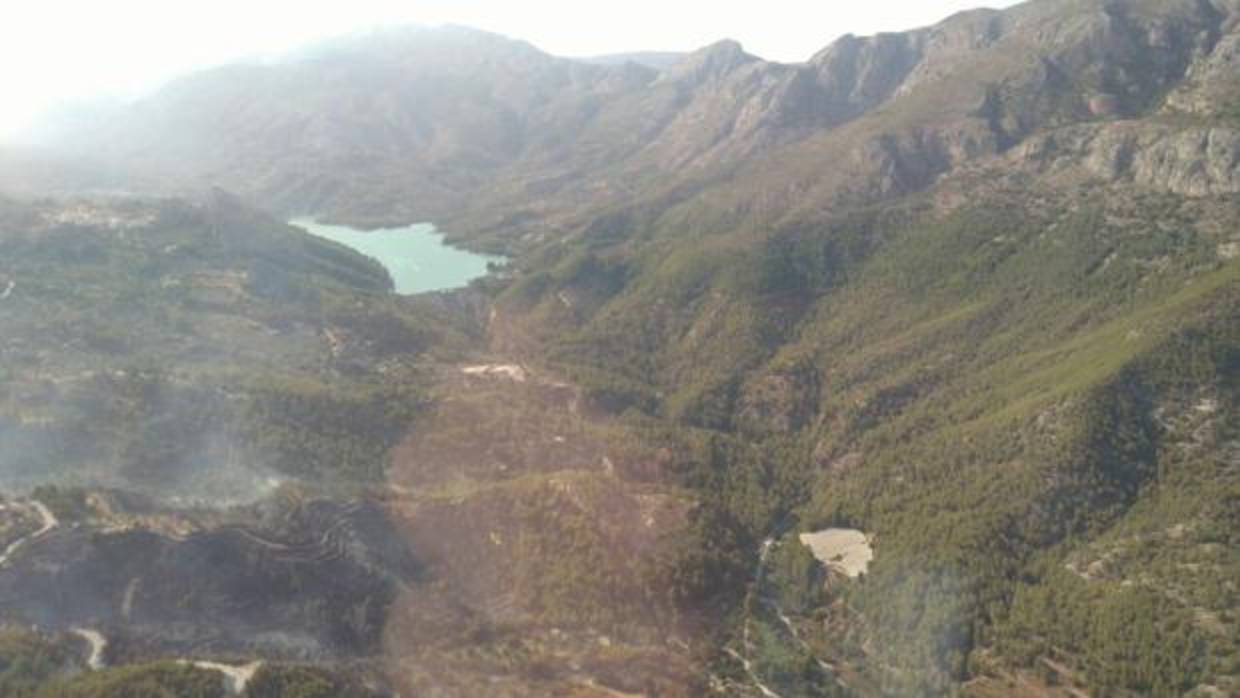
(1193, 161)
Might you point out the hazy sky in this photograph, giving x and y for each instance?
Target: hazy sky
(57, 50)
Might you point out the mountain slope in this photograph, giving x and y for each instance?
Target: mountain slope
(1008, 362)
(412, 114)
(490, 134)
(970, 289)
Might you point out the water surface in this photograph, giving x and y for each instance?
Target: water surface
(416, 255)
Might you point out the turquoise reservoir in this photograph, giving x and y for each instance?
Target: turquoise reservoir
(416, 255)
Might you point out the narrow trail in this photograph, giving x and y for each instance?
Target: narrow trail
(796, 635)
(50, 522)
(593, 685)
(746, 644)
(237, 677)
(49, 519)
(127, 603)
(753, 675)
(755, 595)
(98, 643)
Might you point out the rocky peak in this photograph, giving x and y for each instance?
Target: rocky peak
(711, 63)
(856, 74)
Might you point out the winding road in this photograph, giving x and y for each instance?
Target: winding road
(98, 643)
(238, 676)
(49, 522)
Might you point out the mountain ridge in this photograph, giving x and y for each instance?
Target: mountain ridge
(670, 133)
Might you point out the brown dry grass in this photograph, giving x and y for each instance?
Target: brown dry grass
(539, 547)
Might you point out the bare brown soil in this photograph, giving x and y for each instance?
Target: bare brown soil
(540, 526)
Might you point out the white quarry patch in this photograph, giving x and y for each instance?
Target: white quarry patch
(1229, 251)
(844, 550)
(509, 371)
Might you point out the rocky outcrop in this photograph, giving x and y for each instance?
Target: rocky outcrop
(1212, 84)
(714, 62)
(1191, 161)
(855, 74)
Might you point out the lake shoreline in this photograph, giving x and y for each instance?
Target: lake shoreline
(418, 257)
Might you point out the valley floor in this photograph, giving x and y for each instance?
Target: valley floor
(536, 519)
